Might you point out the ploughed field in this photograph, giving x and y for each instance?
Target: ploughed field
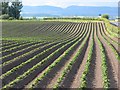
(58, 55)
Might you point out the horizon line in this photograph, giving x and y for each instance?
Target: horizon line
(70, 6)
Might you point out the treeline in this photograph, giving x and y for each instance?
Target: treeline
(78, 18)
(71, 18)
(11, 10)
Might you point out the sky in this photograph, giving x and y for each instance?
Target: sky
(66, 3)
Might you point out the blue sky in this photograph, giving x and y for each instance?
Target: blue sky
(66, 3)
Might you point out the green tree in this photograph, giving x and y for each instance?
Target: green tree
(12, 10)
(99, 14)
(15, 9)
(105, 16)
(5, 7)
(0, 8)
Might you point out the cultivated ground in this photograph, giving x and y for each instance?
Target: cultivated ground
(56, 54)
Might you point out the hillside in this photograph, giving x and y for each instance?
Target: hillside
(38, 11)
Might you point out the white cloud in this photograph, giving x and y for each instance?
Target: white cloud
(65, 3)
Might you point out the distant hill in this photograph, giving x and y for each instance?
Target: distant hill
(42, 11)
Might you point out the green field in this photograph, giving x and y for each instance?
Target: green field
(59, 54)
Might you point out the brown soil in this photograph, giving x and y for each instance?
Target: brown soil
(97, 80)
(113, 62)
(54, 80)
(30, 65)
(23, 59)
(50, 80)
(39, 70)
(72, 79)
(76, 80)
(20, 53)
(71, 74)
(20, 48)
(12, 46)
(108, 38)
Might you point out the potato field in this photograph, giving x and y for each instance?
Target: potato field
(54, 54)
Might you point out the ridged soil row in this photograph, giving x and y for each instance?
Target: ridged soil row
(16, 80)
(66, 83)
(94, 76)
(48, 80)
(78, 68)
(112, 63)
(114, 44)
(115, 39)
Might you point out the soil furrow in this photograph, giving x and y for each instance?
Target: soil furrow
(20, 60)
(50, 80)
(73, 78)
(113, 63)
(29, 65)
(19, 48)
(107, 38)
(96, 67)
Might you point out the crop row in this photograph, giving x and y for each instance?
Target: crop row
(24, 63)
(13, 45)
(70, 64)
(109, 37)
(49, 68)
(18, 79)
(105, 78)
(36, 66)
(112, 30)
(19, 46)
(15, 53)
(46, 31)
(5, 43)
(104, 65)
(111, 46)
(37, 60)
(83, 78)
(28, 61)
(25, 54)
